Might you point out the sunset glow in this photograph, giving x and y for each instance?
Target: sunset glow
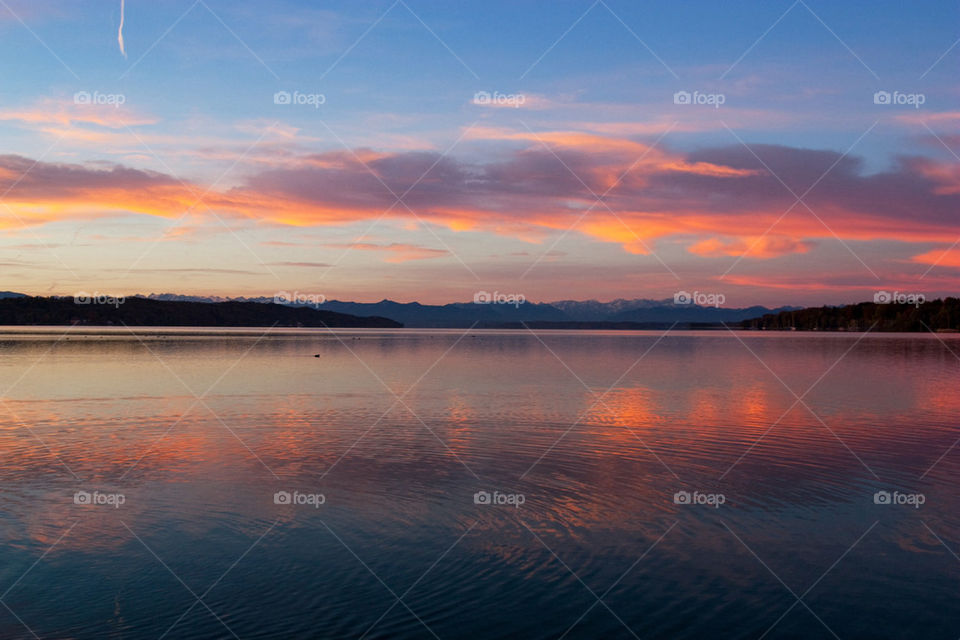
(363, 152)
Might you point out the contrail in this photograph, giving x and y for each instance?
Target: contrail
(120, 30)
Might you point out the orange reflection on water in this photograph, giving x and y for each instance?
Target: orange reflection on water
(496, 410)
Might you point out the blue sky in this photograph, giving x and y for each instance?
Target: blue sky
(198, 182)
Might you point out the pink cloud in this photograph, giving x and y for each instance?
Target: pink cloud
(723, 201)
(60, 114)
(399, 252)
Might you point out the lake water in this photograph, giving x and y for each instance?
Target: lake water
(436, 484)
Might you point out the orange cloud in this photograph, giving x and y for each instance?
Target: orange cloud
(399, 252)
(722, 200)
(949, 257)
(751, 247)
(948, 117)
(945, 177)
(67, 113)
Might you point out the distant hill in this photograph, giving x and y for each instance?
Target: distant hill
(691, 313)
(153, 313)
(620, 313)
(610, 326)
(936, 315)
(455, 315)
(592, 310)
(11, 294)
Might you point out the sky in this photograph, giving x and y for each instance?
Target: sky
(776, 153)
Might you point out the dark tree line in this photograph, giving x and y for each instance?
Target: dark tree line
(936, 315)
(159, 313)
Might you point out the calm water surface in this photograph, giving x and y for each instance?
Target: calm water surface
(691, 485)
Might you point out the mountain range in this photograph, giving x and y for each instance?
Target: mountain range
(640, 311)
(140, 311)
(624, 313)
